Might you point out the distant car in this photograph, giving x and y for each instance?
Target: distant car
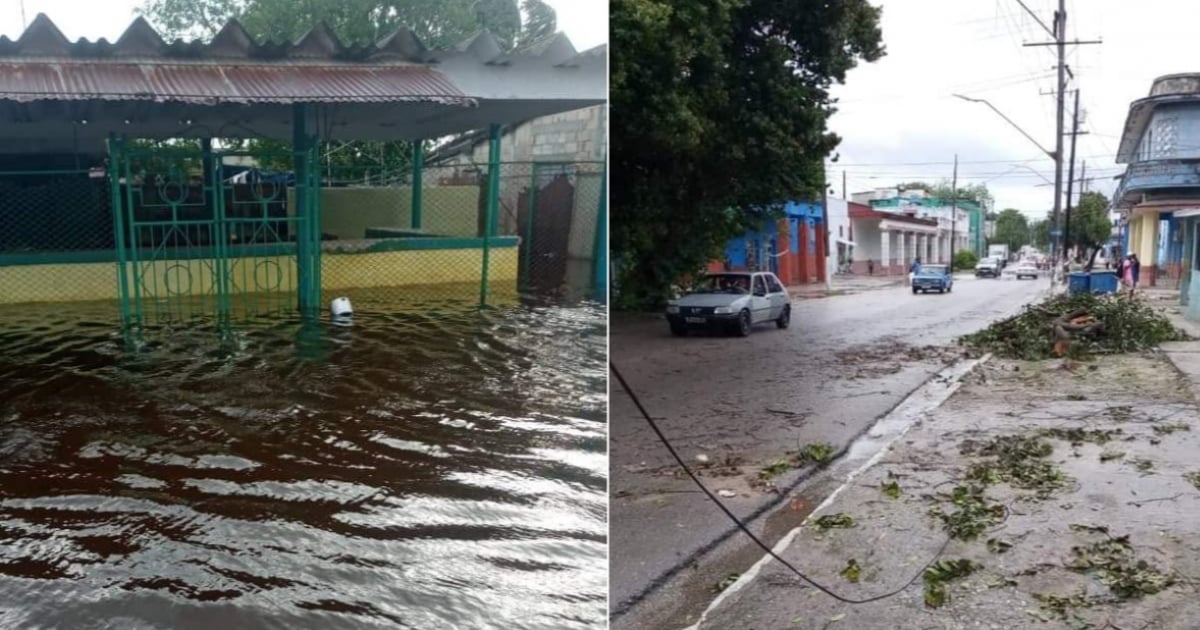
(988, 268)
(1023, 269)
(933, 278)
(733, 302)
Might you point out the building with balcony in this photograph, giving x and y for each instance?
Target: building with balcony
(1159, 195)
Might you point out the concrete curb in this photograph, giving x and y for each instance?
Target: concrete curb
(884, 432)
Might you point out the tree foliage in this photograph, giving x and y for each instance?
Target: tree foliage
(1090, 224)
(721, 110)
(1012, 229)
(1039, 234)
(945, 189)
(439, 24)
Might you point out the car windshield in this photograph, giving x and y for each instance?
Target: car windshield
(734, 283)
(933, 270)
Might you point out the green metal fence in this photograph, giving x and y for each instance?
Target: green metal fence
(195, 231)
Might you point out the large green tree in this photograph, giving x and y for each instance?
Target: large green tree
(945, 189)
(719, 118)
(1039, 234)
(1012, 229)
(1090, 225)
(438, 24)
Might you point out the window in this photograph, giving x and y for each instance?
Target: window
(759, 286)
(773, 285)
(841, 229)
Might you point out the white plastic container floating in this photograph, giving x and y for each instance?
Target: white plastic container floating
(340, 307)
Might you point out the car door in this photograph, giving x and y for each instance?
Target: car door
(760, 304)
(777, 295)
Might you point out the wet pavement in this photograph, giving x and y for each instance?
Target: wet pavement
(1030, 569)
(431, 466)
(742, 403)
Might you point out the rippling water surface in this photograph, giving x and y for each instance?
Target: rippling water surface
(431, 468)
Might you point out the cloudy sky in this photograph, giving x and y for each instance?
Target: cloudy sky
(584, 21)
(899, 120)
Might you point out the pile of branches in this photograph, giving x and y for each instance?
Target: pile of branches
(1076, 326)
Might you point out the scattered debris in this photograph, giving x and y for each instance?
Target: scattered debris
(1063, 606)
(702, 458)
(1093, 529)
(1111, 455)
(1112, 561)
(727, 494)
(831, 521)
(974, 514)
(1143, 464)
(1193, 478)
(941, 573)
(1018, 460)
(891, 489)
(1079, 437)
(997, 545)
(1167, 429)
(852, 572)
(774, 469)
(1076, 325)
(727, 581)
(818, 453)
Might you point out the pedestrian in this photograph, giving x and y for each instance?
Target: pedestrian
(870, 266)
(1128, 271)
(913, 270)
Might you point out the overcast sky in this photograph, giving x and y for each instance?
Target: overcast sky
(584, 21)
(898, 112)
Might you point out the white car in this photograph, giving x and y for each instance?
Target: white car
(733, 301)
(1023, 269)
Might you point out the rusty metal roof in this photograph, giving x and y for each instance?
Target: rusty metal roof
(233, 68)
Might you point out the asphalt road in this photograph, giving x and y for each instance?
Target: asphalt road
(741, 403)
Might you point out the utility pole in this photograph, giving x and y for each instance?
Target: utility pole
(844, 194)
(1060, 43)
(953, 210)
(1071, 176)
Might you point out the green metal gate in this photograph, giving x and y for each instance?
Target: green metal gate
(193, 242)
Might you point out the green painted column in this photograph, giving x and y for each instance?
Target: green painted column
(118, 212)
(600, 245)
(491, 218)
(304, 219)
(418, 168)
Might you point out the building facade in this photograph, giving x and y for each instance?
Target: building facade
(1159, 195)
(959, 226)
(886, 243)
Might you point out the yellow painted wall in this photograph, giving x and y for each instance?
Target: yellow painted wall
(445, 210)
(98, 281)
(1143, 237)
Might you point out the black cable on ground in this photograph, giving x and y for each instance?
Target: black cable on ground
(742, 526)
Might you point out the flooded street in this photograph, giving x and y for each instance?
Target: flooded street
(438, 467)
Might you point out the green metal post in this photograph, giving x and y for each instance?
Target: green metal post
(493, 200)
(114, 184)
(600, 245)
(301, 166)
(418, 168)
(529, 218)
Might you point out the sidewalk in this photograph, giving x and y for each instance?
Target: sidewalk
(846, 284)
(1072, 494)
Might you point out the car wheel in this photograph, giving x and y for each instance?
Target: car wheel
(679, 329)
(743, 324)
(916, 290)
(785, 319)
(949, 288)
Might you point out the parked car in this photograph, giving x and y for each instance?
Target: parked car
(988, 268)
(733, 302)
(933, 278)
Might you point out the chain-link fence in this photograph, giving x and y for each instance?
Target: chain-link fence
(211, 218)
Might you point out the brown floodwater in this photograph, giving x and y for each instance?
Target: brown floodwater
(428, 466)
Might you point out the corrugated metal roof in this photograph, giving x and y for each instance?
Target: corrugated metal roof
(233, 68)
(70, 79)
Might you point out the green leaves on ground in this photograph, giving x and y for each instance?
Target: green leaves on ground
(726, 582)
(998, 545)
(774, 469)
(818, 453)
(853, 571)
(974, 514)
(1113, 561)
(1167, 429)
(831, 521)
(1078, 437)
(891, 489)
(1193, 478)
(938, 575)
(1126, 325)
(1018, 460)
